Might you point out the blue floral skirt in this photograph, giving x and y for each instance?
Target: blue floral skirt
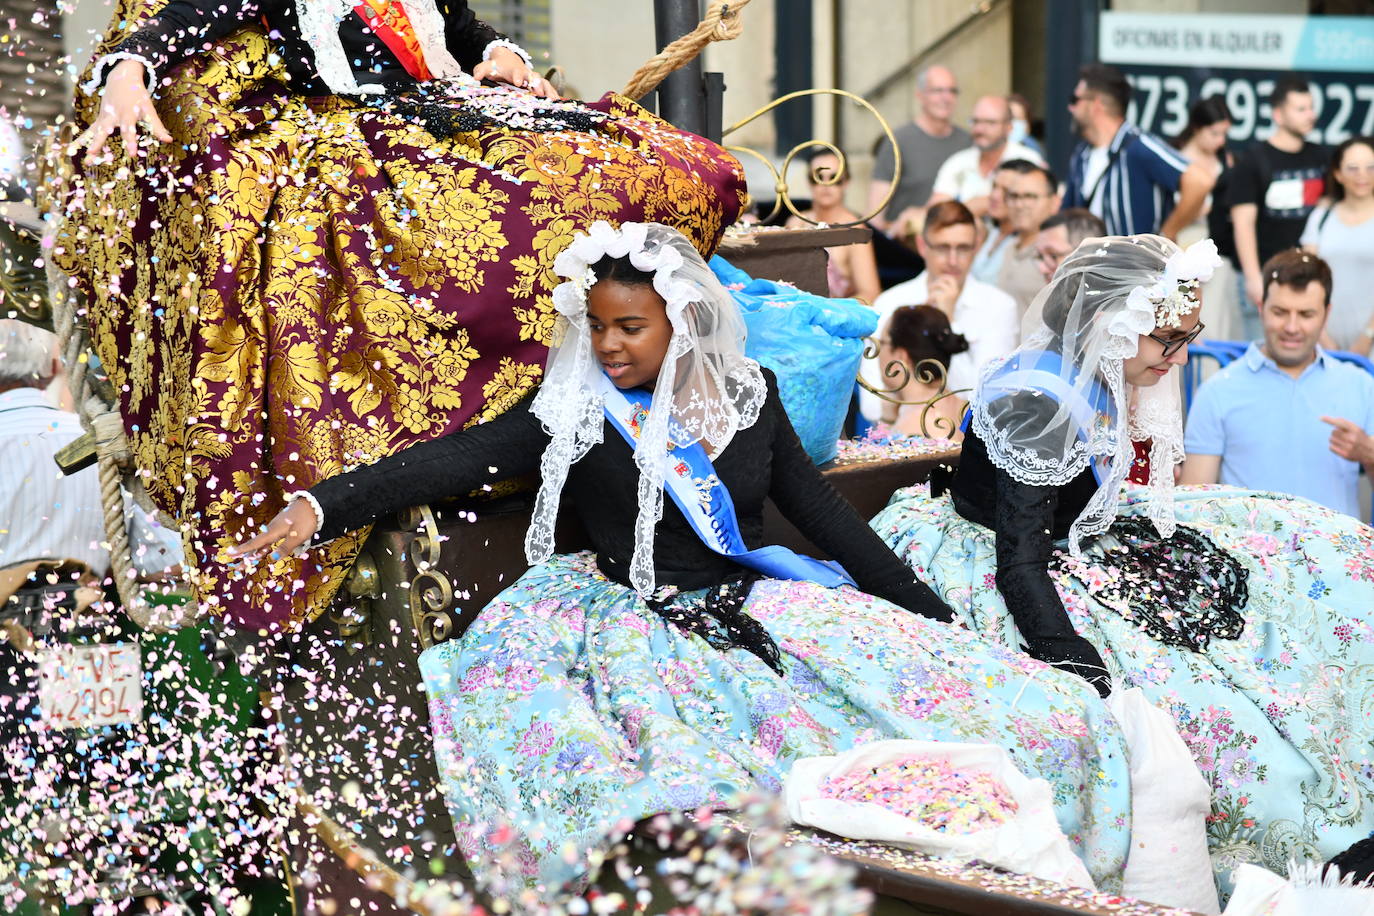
(569, 710)
(1280, 719)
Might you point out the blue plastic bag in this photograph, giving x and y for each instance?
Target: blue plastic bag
(813, 345)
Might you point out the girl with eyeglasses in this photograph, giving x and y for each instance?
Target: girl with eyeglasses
(1244, 615)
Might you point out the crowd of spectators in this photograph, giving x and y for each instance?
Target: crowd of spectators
(1293, 220)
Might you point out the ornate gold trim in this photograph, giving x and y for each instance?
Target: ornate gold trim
(784, 197)
(431, 593)
(926, 372)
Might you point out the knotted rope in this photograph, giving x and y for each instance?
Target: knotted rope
(722, 22)
(113, 457)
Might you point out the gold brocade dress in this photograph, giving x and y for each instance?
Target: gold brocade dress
(299, 284)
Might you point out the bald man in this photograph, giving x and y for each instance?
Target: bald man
(966, 176)
(925, 143)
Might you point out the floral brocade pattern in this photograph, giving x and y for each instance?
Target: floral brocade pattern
(300, 285)
(570, 710)
(1281, 719)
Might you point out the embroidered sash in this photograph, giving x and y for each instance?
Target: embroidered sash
(388, 21)
(705, 502)
(1043, 371)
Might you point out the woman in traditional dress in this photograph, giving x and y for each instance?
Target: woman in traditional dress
(1245, 615)
(347, 246)
(683, 662)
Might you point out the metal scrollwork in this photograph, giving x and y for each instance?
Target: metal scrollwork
(784, 198)
(354, 618)
(897, 375)
(431, 593)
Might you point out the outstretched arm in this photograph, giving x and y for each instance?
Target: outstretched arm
(442, 468)
(131, 69)
(826, 518)
(1023, 523)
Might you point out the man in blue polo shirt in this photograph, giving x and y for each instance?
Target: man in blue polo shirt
(1287, 416)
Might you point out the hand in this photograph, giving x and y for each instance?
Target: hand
(943, 292)
(1254, 289)
(292, 527)
(124, 105)
(1075, 655)
(1349, 441)
(505, 66)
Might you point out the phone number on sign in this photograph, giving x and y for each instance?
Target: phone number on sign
(1160, 102)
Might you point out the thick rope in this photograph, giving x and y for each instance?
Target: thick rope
(111, 445)
(722, 22)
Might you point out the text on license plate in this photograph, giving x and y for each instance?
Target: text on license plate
(86, 686)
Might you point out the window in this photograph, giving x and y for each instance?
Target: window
(525, 22)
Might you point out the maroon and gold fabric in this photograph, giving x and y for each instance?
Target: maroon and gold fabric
(299, 285)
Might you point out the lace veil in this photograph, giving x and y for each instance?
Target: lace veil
(706, 391)
(1091, 315)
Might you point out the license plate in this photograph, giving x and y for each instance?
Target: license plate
(87, 686)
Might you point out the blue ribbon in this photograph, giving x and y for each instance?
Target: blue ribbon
(1045, 371)
(705, 501)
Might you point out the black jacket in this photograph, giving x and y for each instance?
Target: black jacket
(765, 460)
(185, 26)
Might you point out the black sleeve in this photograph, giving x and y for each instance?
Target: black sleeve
(1245, 187)
(1023, 526)
(182, 27)
(465, 35)
(827, 519)
(449, 466)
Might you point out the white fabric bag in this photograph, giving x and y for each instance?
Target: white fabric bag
(1260, 892)
(1030, 842)
(1168, 863)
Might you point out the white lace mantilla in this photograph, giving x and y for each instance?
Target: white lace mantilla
(707, 389)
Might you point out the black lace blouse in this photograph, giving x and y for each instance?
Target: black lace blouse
(1026, 521)
(765, 460)
(184, 27)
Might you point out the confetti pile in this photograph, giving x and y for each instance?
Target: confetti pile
(928, 790)
(880, 443)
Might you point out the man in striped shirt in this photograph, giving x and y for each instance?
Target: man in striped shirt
(1126, 176)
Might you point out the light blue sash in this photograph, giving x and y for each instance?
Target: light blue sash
(1044, 371)
(705, 502)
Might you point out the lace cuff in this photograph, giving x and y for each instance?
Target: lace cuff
(314, 507)
(509, 46)
(109, 60)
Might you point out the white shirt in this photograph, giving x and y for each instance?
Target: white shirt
(960, 179)
(42, 512)
(986, 316)
(1098, 160)
(11, 152)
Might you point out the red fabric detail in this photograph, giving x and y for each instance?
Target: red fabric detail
(390, 23)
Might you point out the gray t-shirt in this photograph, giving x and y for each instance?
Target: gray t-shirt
(922, 156)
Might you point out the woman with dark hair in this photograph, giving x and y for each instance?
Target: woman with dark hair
(1204, 141)
(684, 662)
(1244, 615)
(920, 338)
(1342, 234)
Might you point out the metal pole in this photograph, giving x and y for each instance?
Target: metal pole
(681, 95)
(1075, 26)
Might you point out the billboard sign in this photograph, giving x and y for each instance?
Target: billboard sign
(1173, 61)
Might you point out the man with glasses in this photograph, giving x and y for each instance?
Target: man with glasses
(985, 315)
(1287, 416)
(1060, 234)
(1124, 175)
(925, 143)
(967, 175)
(1030, 195)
